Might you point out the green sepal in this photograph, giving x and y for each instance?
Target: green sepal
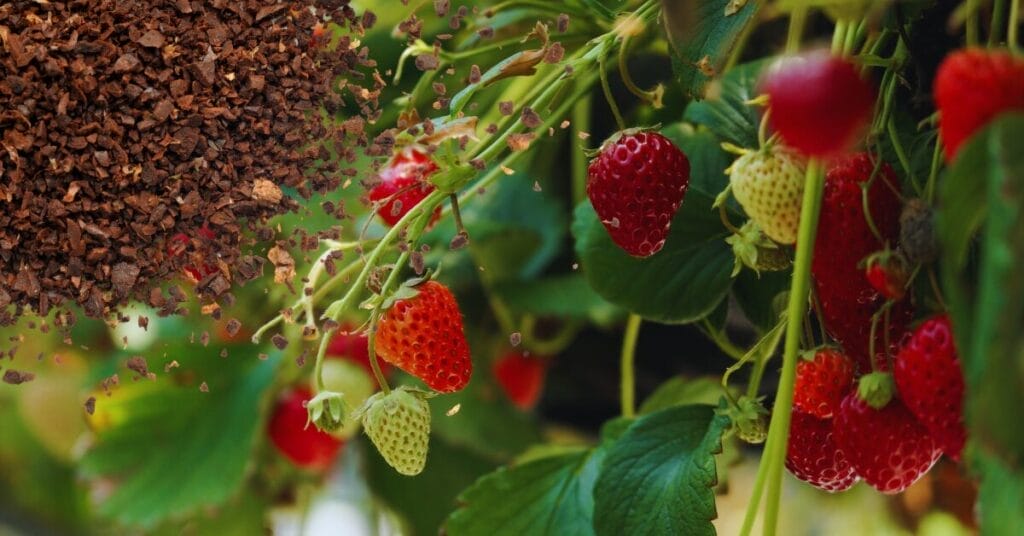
(877, 389)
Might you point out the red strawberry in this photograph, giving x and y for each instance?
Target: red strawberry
(821, 383)
(353, 347)
(931, 383)
(972, 87)
(887, 447)
(297, 440)
(423, 336)
(636, 185)
(848, 301)
(819, 102)
(403, 184)
(812, 454)
(521, 376)
(886, 272)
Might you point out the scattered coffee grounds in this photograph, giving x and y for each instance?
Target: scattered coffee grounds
(139, 139)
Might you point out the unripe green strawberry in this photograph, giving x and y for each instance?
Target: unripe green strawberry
(769, 184)
(398, 424)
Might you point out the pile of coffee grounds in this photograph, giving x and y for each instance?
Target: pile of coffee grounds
(139, 139)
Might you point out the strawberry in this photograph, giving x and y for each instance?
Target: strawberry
(769, 184)
(819, 103)
(918, 240)
(402, 185)
(813, 456)
(822, 382)
(931, 383)
(423, 336)
(398, 424)
(887, 447)
(354, 385)
(636, 185)
(352, 346)
(295, 438)
(886, 272)
(848, 301)
(521, 376)
(972, 87)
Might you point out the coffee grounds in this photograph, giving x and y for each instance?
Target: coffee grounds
(139, 140)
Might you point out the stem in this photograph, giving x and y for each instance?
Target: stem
(721, 341)
(608, 94)
(321, 351)
(1012, 24)
(627, 79)
(580, 124)
(838, 35)
(723, 214)
(901, 154)
(755, 500)
(933, 174)
(972, 22)
(371, 346)
(779, 432)
(626, 364)
(998, 13)
(796, 29)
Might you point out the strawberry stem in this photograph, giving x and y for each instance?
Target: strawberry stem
(580, 125)
(1011, 26)
(778, 435)
(371, 342)
(973, 7)
(652, 97)
(996, 28)
(628, 389)
(796, 29)
(608, 93)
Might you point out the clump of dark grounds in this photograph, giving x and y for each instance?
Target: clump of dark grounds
(138, 140)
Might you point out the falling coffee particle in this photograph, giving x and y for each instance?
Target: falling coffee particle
(90, 405)
(279, 341)
(203, 388)
(138, 365)
(515, 338)
(15, 377)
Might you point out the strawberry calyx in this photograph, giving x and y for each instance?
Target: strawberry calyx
(753, 249)
(749, 418)
(616, 136)
(326, 411)
(876, 389)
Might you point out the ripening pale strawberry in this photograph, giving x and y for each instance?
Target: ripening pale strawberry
(521, 376)
(972, 87)
(398, 424)
(423, 335)
(819, 103)
(636, 185)
(403, 184)
(354, 384)
(295, 438)
(887, 447)
(822, 382)
(931, 383)
(353, 347)
(844, 240)
(813, 456)
(769, 184)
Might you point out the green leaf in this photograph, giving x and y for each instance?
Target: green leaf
(986, 184)
(424, 501)
(681, 283)
(727, 113)
(679, 391)
(567, 296)
(173, 449)
(1001, 495)
(548, 496)
(702, 33)
(707, 159)
(515, 231)
(658, 477)
(762, 298)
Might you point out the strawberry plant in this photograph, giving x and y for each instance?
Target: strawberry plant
(592, 267)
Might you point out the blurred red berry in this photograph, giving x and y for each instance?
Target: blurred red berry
(819, 103)
(813, 456)
(304, 445)
(403, 184)
(353, 347)
(521, 376)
